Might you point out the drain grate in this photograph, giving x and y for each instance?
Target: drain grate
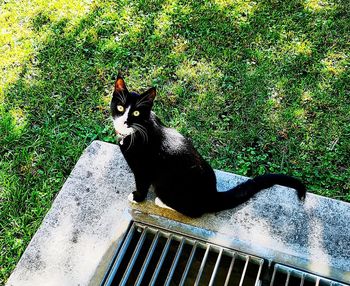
(153, 256)
(150, 256)
(283, 275)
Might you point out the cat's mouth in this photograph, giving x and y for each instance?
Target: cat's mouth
(120, 134)
(124, 134)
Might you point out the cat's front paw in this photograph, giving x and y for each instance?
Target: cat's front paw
(136, 197)
(131, 198)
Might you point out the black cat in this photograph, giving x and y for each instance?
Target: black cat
(162, 157)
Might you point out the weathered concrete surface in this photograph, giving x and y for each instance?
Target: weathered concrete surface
(82, 224)
(77, 235)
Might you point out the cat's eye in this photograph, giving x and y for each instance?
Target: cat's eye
(120, 108)
(136, 113)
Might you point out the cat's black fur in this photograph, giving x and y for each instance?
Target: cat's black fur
(181, 178)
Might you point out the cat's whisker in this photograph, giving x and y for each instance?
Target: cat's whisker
(131, 141)
(142, 130)
(144, 134)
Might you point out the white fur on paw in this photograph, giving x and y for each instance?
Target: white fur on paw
(159, 203)
(131, 198)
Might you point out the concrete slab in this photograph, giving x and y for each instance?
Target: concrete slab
(75, 242)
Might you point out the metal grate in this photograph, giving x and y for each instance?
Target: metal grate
(153, 256)
(283, 275)
(150, 256)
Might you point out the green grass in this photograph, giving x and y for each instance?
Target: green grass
(259, 86)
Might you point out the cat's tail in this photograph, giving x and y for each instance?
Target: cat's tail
(242, 192)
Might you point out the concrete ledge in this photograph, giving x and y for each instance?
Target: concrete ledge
(75, 242)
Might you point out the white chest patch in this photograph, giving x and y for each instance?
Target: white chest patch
(173, 141)
(159, 203)
(120, 125)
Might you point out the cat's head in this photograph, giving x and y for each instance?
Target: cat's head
(130, 110)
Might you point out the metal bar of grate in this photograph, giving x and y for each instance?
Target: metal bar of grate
(261, 263)
(302, 280)
(133, 258)
(188, 264)
(176, 259)
(147, 260)
(202, 265)
(287, 280)
(230, 270)
(273, 278)
(120, 255)
(216, 267)
(161, 260)
(244, 270)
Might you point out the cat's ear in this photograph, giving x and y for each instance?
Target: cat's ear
(150, 94)
(119, 85)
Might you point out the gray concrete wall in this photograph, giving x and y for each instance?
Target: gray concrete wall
(75, 242)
